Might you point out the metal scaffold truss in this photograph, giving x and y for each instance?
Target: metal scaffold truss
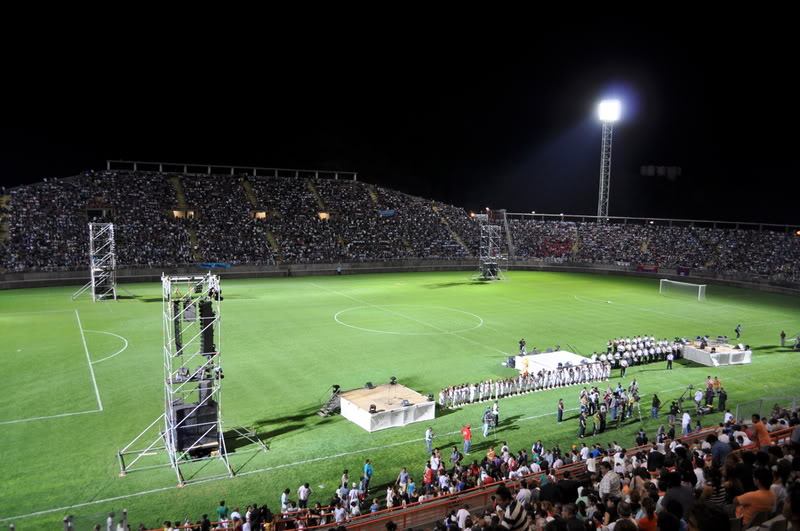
(191, 427)
(605, 171)
(492, 258)
(102, 263)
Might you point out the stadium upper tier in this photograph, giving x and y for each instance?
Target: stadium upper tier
(173, 219)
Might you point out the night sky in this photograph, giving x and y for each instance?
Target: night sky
(501, 117)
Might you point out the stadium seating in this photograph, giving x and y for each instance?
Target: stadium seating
(240, 219)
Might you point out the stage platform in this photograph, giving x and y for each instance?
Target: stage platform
(387, 399)
(725, 355)
(533, 363)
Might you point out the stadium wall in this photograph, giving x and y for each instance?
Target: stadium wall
(127, 275)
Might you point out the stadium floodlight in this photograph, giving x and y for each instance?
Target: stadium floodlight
(609, 110)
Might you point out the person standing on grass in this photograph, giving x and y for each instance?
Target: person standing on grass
(581, 425)
(487, 421)
(686, 422)
(466, 433)
(738, 331)
(698, 398)
(670, 357)
(783, 338)
(654, 407)
(367, 475)
(723, 398)
(560, 410)
(429, 440)
(302, 495)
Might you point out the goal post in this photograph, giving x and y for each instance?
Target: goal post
(672, 287)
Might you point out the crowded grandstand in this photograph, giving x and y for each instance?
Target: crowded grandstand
(180, 219)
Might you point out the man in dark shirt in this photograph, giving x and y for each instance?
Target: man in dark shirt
(723, 397)
(744, 471)
(679, 493)
(655, 460)
(719, 450)
(550, 492)
(569, 489)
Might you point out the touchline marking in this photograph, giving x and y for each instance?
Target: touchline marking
(336, 318)
(406, 317)
(110, 334)
(89, 361)
(40, 311)
(51, 416)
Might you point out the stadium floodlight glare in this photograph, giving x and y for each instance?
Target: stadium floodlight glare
(609, 110)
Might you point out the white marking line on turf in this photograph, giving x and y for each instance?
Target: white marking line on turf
(40, 311)
(407, 317)
(50, 417)
(286, 465)
(89, 361)
(336, 318)
(110, 334)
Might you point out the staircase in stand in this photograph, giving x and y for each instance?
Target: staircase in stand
(197, 256)
(275, 247)
(452, 232)
(320, 202)
(5, 200)
(180, 194)
(373, 194)
(250, 193)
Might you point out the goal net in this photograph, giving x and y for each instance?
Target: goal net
(685, 289)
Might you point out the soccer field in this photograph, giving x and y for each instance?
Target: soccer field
(85, 378)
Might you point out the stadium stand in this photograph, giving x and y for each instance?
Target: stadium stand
(178, 219)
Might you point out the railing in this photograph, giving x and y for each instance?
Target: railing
(209, 169)
(421, 513)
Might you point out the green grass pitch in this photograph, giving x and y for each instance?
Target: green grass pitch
(84, 378)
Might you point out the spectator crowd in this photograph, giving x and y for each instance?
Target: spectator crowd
(254, 219)
(735, 472)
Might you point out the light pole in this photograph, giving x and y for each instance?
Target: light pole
(609, 111)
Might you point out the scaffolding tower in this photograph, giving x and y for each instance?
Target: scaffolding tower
(492, 256)
(102, 263)
(191, 427)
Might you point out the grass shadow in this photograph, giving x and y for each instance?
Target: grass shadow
(441, 285)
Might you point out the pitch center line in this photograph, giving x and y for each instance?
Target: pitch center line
(89, 361)
(407, 317)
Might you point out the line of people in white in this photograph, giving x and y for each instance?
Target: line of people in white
(639, 350)
(460, 395)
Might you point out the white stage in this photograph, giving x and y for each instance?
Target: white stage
(533, 363)
(387, 399)
(725, 354)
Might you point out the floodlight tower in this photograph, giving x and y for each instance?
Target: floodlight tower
(609, 111)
